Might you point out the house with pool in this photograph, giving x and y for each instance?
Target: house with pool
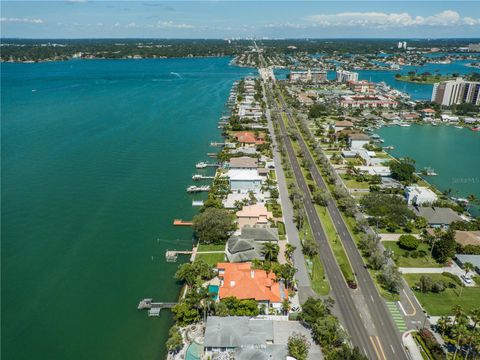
(243, 282)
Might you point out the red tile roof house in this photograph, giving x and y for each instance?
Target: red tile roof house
(247, 137)
(241, 281)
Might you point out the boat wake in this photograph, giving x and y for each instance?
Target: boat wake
(176, 74)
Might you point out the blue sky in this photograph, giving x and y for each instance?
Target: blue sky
(231, 19)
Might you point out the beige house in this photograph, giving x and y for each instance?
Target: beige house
(253, 215)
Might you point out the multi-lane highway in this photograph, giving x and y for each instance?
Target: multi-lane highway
(386, 341)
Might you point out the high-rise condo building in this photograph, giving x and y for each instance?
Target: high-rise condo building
(456, 91)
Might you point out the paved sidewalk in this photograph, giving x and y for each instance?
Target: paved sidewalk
(412, 347)
(302, 277)
(394, 237)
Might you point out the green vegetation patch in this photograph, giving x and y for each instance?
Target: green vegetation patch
(438, 304)
(403, 258)
(211, 259)
(211, 247)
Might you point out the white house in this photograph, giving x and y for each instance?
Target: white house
(419, 195)
(356, 141)
(244, 179)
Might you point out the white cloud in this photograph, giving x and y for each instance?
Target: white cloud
(379, 19)
(131, 25)
(22, 20)
(172, 25)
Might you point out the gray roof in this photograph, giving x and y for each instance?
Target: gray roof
(241, 250)
(248, 245)
(474, 259)
(260, 233)
(237, 331)
(268, 353)
(437, 215)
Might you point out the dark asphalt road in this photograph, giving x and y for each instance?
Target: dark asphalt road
(386, 330)
(341, 291)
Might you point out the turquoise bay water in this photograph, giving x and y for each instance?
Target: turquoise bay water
(453, 153)
(96, 156)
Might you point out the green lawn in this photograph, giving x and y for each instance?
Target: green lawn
(335, 242)
(402, 261)
(354, 184)
(211, 259)
(442, 303)
(319, 282)
(211, 247)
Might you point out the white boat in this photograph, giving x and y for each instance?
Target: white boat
(404, 125)
(459, 127)
(201, 165)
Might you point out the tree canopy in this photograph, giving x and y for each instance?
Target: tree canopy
(214, 225)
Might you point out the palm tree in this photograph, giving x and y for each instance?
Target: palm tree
(443, 323)
(286, 306)
(475, 316)
(270, 251)
(458, 312)
(458, 333)
(468, 266)
(289, 249)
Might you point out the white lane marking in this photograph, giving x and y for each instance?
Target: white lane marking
(372, 298)
(401, 307)
(392, 348)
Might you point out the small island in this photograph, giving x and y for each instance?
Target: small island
(423, 78)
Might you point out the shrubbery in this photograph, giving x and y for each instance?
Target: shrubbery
(408, 242)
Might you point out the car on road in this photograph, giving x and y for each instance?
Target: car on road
(466, 279)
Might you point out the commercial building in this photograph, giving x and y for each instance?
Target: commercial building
(346, 76)
(362, 87)
(367, 102)
(308, 76)
(458, 91)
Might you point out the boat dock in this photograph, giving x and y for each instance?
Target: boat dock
(172, 255)
(212, 154)
(180, 222)
(214, 144)
(154, 308)
(194, 189)
(203, 165)
(202, 177)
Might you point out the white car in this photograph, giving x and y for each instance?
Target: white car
(466, 279)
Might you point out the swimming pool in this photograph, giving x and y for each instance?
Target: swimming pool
(194, 351)
(213, 289)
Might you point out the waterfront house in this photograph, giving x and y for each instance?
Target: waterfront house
(375, 170)
(357, 140)
(419, 195)
(437, 217)
(244, 179)
(247, 137)
(249, 244)
(243, 162)
(243, 282)
(427, 114)
(246, 338)
(343, 125)
(253, 215)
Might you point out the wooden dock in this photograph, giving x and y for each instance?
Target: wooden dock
(154, 308)
(172, 255)
(180, 222)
